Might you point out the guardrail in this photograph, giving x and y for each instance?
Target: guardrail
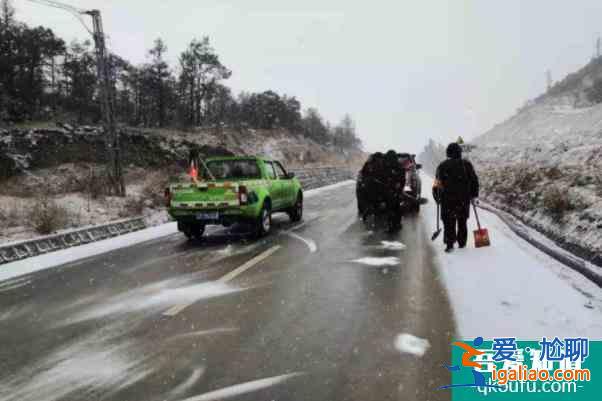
(21, 250)
(320, 176)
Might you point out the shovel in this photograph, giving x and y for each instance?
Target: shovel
(481, 235)
(436, 233)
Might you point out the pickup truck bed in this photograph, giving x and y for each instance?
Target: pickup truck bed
(235, 190)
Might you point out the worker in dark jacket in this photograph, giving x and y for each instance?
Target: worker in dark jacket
(456, 184)
(394, 177)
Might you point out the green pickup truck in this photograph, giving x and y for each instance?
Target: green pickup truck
(235, 189)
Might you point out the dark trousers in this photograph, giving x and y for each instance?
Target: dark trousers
(454, 229)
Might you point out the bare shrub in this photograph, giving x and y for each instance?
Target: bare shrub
(526, 179)
(133, 207)
(47, 216)
(553, 173)
(156, 182)
(557, 202)
(97, 184)
(11, 215)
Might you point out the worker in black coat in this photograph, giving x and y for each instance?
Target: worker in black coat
(394, 177)
(456, 184)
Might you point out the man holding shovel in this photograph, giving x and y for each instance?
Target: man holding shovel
(456, 185)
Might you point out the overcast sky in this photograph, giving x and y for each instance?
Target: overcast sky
(405, 70)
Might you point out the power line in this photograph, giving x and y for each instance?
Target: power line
(76, 12)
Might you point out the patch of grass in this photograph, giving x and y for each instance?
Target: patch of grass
(12, 187)
(34, 124)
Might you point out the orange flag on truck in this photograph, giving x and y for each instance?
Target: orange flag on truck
(194, 172)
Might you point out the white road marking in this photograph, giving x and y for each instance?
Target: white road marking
(250, 263)
(209, 332)
(185, 385)
(174, 310)
(311, 244)
(243, 388)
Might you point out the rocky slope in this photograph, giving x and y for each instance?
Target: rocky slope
(25, 150)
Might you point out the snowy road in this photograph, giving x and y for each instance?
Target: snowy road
(313, 312)
(322, 310)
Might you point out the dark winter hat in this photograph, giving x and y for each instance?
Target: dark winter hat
(454, 151)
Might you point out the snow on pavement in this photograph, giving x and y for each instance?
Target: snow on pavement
(392, 245)
(374, 261)
(318, 191)
(410, 344)
(513, 289)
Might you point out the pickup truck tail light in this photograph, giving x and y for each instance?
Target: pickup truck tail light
(243, 195)
(167, 197)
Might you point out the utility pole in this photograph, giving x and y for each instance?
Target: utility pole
(114, 169)
(598, 44)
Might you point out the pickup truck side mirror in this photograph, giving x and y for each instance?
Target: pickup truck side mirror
(290, 175)
(418, 166)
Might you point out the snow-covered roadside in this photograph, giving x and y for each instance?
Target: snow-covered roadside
(317, 191)
(37, 263)
(513, 289)
(41, 262)
(547, 246)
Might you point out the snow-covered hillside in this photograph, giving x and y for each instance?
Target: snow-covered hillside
(544, 165)
(547, 134)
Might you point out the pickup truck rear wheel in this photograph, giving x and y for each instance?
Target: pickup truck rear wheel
(198, 231)
(296, 212)
(194, 231)
(264, 221)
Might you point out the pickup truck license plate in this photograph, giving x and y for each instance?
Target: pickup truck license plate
(207, 216)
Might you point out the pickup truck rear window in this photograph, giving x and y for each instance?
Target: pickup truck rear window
(231, 170)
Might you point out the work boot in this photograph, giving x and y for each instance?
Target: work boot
(461, 245)
(449, 248)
